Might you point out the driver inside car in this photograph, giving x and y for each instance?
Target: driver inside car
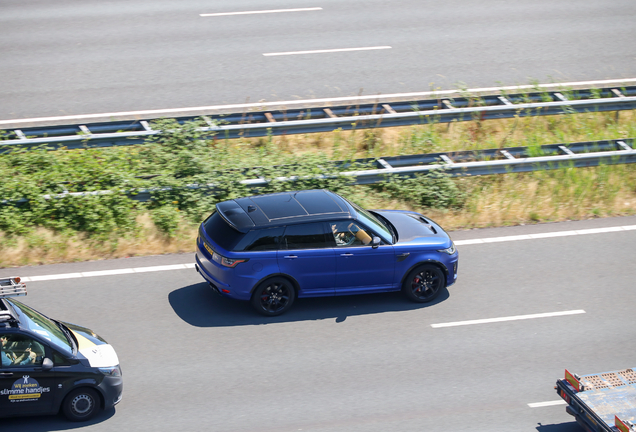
(347, 233)
(24, 357)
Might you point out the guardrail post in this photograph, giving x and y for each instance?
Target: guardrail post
(329, 113)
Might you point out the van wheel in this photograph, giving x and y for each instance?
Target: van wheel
(81, 404)
(424, 283)
(273, 296)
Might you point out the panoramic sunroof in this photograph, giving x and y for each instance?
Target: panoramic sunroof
(279, 206)
(318, 202)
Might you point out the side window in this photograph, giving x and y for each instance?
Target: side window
(18, 350)
(260, 240)
(306, 236)
(59, 359)
(349, 233)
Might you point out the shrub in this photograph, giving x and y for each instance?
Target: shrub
(434, 190)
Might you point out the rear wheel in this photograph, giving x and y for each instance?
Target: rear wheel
(424, 283)
(273, 296)
(81, 404)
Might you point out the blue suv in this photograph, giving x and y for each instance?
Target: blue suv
(271, 249)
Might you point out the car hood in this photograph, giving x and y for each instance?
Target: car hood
(93, 348)
(416, 229)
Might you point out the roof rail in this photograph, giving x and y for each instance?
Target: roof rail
(12, 287)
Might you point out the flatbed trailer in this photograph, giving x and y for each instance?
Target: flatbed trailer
(601, 402)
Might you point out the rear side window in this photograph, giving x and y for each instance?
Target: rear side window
(307, 236)
(219, 231)
(260, 240)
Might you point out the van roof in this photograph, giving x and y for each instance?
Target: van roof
(284, 208)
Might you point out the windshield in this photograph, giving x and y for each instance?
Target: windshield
(372, 222)
(38, 323)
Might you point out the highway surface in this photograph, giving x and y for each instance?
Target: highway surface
(71, 58)
(195, 361)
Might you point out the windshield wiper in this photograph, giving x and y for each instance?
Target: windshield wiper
(388, 225)
(69, 335)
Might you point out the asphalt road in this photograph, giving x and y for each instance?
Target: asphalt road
(195, 361)
(70, 58)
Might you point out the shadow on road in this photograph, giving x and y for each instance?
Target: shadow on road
(51, 422)
(199, 306)
(561, 427)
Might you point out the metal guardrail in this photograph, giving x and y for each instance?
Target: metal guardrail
(309, 120)
(513, 161)
(460, 163)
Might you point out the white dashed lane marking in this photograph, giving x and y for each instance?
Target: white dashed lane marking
(326, 51)
(510, 318)
(545, 404)
(261, 12)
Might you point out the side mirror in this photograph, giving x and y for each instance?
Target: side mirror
(375, 242)
(47, 364)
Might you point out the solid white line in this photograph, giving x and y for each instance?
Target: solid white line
(52, 277)
(457, 242)
(108, 272)
(326, 51)
(261, 12)
(163, 268)
(263, 105)
(545, 404)
(545, 235)
(510, 318)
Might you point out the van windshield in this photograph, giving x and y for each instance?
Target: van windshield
(38, 323)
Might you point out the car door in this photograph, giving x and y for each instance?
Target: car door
(360, 267)
(308, 256)
(25, 388)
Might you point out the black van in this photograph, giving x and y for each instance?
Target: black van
(49, 365)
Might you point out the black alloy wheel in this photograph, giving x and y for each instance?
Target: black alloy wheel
(274, 296)
(424, 283)
(81, 404)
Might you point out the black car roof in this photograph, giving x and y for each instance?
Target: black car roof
(284, 208)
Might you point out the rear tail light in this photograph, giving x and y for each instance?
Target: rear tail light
(227, 262)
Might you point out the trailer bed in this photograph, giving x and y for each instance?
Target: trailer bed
(601, 402)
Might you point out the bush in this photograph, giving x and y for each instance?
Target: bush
(166, 219)
(434, 190)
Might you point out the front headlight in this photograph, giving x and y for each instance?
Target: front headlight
(451, 250)
(113, 371)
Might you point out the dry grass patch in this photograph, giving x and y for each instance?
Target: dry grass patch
(448, 137)
(44, 246)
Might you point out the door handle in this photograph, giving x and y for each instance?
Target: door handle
(291, 256)
(6, 374)
(346, 254)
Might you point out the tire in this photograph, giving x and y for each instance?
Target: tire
(81, 404)
(424, 283)
(273, 296)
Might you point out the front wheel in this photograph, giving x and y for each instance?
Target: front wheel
(424, 283)
(81, 404)
(274, 296)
